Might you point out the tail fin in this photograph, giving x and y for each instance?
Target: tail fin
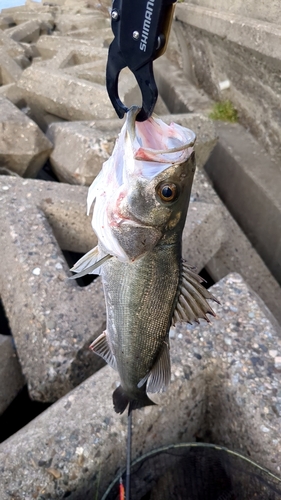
(121, 401)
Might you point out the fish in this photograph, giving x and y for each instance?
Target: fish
(141, 199)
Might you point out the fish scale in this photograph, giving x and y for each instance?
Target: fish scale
(146, 291)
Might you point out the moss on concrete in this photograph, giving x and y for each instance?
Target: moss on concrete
(224, 111)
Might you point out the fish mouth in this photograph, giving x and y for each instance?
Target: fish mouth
(118, 219)
(147, 141)
(131, 121)
(133, 221)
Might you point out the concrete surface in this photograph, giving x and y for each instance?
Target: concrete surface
(48, 46)
(179, 95)
(253, 194)
(224, 389)
(268, 12)
(10, 71)
(236, 253)
(23, 147)
(28, 31)
(11, 377)
(22, 61)
(44, 18)
(262, 37)
(11, 92)
(80, 149)
(223, 45)
(54, 320)
(11, 47)
(5, 22)
(64, 96)
(203, 235)
(70, 22)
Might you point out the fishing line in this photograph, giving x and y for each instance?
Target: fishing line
(129, 453)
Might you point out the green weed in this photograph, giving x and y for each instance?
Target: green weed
(224, 111)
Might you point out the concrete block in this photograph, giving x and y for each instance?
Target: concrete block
(11, 377)
(13, 94)
(70, 22)
(173, 52)
(28, 32)
(54, 320)
(80, 148)
(206, 230)
(30, 50)
(79, 151)
(5, 22)
(105, 36)
(93, 71)
(266, 12)
(43, 119)
(28, 153)
(236, 253)
(178, 93)
(253, 196)
(245, 51)
(22, 61)
(101, 38)
(48, 46)
(12, 48)
(44, 18)
(224, 389)
(70, 58)
(10, 71)
(65, 96)
(262, 37)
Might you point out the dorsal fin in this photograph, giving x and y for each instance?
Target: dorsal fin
(101, 347)
(159, 377)
(90, 262)
(192, 299)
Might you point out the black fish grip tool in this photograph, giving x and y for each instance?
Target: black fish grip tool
(141, 30)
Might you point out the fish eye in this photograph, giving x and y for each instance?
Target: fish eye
(167, 191)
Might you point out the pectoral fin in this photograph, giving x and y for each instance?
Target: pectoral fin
(101, 347)
(90, 262)
(192, 301)
(158, 378)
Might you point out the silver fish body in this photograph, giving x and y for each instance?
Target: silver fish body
(140, 309)
(147, 285)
